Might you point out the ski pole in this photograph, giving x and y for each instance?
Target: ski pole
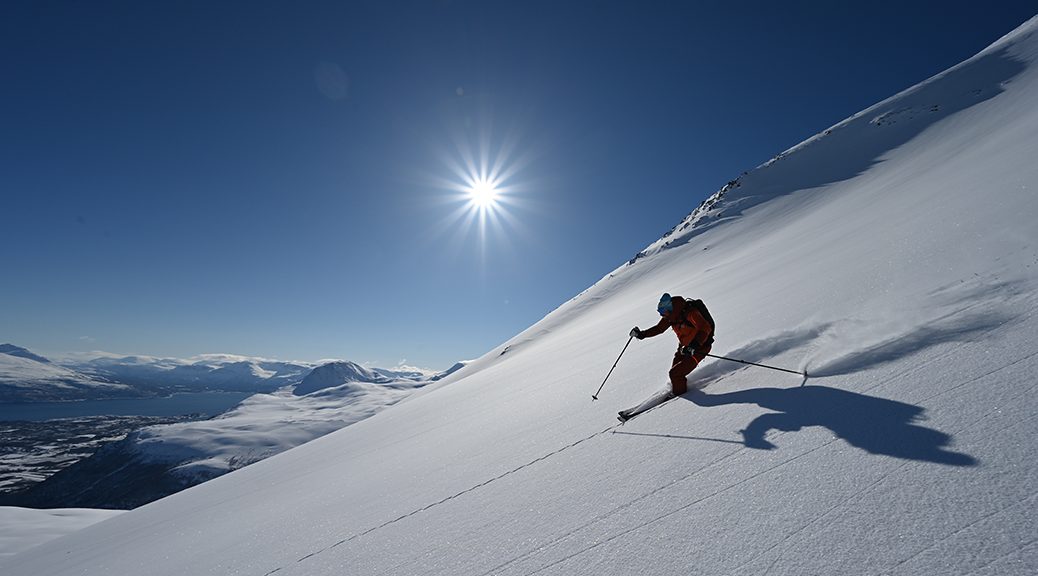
(595, 395)
(804, 374)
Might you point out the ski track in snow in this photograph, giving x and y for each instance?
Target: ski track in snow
(886, 476)
(718, 461)
(1027, 502)
(449, 498)
(761, 349)
(906, 463)
(743, 481)
(786, 341)
(1030, 547)
(659, 489)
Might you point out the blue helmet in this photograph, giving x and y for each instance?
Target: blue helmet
(666, 305)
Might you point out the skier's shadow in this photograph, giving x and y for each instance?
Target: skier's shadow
(876, 425)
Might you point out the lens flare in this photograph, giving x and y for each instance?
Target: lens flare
(485, 175)
(483, 194)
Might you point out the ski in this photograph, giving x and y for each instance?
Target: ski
(656, 400)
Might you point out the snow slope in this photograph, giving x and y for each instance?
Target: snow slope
(23, 528)
(894, 257)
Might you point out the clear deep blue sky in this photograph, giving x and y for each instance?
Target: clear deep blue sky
(272, 179)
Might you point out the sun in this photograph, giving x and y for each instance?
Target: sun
(483, 194)
(484, 174)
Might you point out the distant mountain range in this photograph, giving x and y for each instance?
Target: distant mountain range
(12, 350)
(159, 460)
(29, 377)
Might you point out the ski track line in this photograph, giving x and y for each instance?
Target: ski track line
(508, 473)
(843, 503)
(906, 463)
(883, 478)
(838, 506)
(692, 474)
(451, 497)
(626, 505)
(647, 495)
(981, 376)
(996, 559)
(969, 425)
(1025, 500)
(681, 508)
(953, 351)
(614, 511)
(625, 532)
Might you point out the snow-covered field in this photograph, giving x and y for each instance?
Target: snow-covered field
(894, 257)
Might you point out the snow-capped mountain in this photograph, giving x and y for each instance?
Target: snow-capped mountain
(893, 257)
(27, 377)
(205, 372)
(12, 350)
(163, 459)
(336, 374)
(457, 366)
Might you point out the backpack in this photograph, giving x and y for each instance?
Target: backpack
(701, 308)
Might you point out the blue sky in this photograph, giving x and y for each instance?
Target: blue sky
(279, 179)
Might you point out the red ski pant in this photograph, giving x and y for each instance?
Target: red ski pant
(683, 366)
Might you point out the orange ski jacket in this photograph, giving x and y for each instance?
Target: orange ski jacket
(690, 326)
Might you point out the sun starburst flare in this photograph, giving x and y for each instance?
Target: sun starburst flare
(483, 185)
(483, 194)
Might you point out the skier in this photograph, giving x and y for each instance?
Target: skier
(694, 327)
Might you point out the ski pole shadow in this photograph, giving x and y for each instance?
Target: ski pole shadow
(876, 425)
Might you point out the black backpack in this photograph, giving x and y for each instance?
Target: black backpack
(701, 308)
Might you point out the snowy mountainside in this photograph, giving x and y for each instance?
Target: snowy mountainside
(855, 144)
(336, 374)
(27, 377)
(23, 528)
(13, 350)
(899, 267)
(206, 372)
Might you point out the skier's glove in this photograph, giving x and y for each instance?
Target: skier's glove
(687, 350)
(636, 333)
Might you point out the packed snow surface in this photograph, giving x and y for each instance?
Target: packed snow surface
(23, 528)
(894, 257)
